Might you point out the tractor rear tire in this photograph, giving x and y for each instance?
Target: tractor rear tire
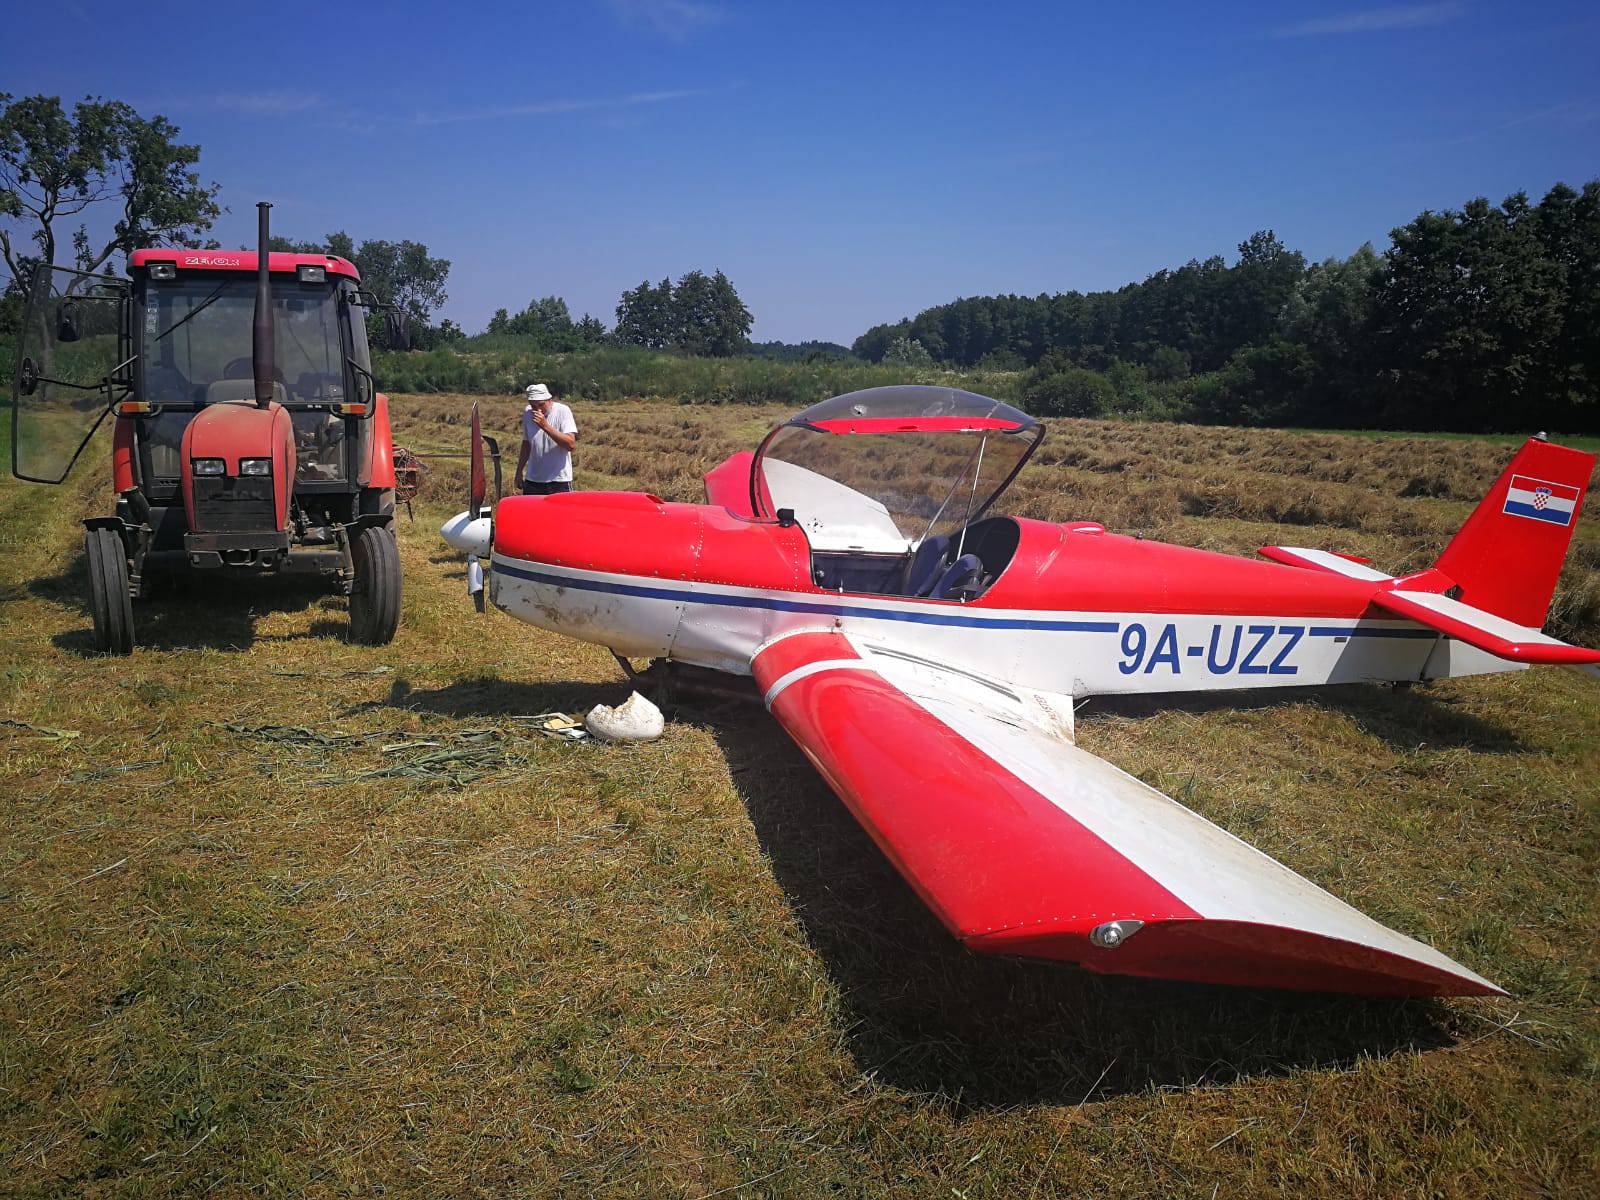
(110, 604)
(375, 595)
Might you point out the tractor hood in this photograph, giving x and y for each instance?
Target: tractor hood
(238, 465)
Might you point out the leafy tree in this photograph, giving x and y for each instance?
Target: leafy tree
(646, 316)
(875, 342)
(908, 352)
(1261, 385)
(1567, 224)
(11, 298)
(1330, 306)
(701, 315)
(590, 330)
(710, 317)
(1467, 310)
(547, 319)
(1168, 364)
(55, 166)
(1255, 291)
(402, 273)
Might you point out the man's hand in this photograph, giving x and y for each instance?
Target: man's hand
(566, 441)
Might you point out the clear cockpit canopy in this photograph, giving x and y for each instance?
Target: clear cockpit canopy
(879, 470)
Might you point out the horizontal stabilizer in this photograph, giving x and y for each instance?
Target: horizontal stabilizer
(1482, 629)
(1321, 560)
(1023, 844)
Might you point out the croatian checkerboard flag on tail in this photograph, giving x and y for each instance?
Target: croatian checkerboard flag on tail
(1541, 500)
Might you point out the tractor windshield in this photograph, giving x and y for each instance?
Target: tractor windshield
(882, 470)
(196, 341)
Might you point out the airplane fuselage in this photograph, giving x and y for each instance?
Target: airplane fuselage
(1075, 610)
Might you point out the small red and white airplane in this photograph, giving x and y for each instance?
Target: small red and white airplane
(926, 653)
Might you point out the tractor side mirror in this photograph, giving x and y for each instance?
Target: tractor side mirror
(68, 328)
(396, 329)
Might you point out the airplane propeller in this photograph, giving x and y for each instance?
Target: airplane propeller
(478, 488)
(477, 494)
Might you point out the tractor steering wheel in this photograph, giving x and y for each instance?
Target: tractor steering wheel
(244, 368)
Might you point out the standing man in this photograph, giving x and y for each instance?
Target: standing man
(549, 434)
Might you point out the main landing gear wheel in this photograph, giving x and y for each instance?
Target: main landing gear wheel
(109, 602)
(375, 597)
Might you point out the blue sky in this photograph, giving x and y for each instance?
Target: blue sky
(845, 163)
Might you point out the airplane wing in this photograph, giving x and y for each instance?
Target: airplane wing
(1023, 844)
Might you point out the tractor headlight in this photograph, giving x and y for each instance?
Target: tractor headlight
(207, 466)
(255, 466)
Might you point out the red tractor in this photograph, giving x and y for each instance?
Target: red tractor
(249, 436)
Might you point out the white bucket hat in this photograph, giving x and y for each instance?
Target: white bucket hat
(537, 392)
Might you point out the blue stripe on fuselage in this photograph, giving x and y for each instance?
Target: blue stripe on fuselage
(1353, 631)
(883, 614)
(805, 606)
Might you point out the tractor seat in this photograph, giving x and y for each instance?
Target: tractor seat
(960, 580)
(924, 572)
(224, 391)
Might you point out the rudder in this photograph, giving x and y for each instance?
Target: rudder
(1507, 556)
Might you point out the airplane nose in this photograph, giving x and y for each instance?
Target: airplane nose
(597, 566)
(467, 535)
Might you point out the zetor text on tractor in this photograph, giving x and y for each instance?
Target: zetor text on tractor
(249, 434)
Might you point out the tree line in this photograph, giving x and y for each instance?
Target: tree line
(699, 315)
(1482, 318)
(1487, 317)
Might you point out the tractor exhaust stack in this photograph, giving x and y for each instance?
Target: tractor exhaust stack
(263, 347)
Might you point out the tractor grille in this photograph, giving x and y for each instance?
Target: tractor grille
(234, 505)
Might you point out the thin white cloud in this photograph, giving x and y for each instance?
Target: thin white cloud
(1373, 20)
(675, 20)
(550, 108)
(267, 104)
(1574, 114)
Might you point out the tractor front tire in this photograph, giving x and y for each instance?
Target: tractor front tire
(110, 603)
(375, 596)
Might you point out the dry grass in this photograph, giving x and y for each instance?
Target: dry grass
(285, 915)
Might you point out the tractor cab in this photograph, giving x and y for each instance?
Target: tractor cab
(187, 337)
(893, 487)
(249, 434)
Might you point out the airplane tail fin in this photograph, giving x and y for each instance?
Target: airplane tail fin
(1506, 558)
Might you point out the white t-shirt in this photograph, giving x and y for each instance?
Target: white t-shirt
(547, 461)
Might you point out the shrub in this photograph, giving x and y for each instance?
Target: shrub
(1069, 392)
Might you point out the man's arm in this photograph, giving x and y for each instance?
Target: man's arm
(567, 441)
(522, 458)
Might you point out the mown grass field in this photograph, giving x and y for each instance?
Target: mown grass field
(284, 915)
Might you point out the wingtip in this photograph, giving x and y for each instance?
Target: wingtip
(1247, 954)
